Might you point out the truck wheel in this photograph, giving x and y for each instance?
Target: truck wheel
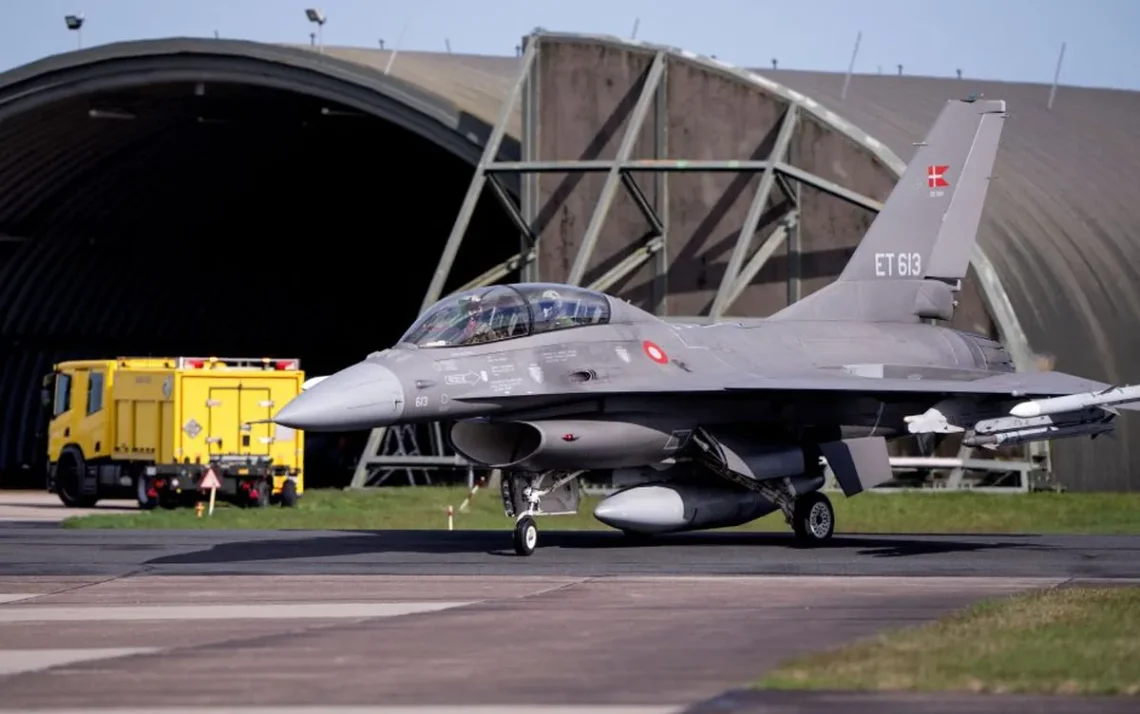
(142, 486)
(289, 493)
(264, 492)
(68, 476)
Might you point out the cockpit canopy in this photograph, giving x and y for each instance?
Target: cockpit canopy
(503, 312)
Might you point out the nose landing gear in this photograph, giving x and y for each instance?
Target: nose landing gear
(526, 535)
(523, 496)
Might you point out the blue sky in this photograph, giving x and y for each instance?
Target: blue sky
(1016, 40)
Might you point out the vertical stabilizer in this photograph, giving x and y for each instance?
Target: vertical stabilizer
(921, 241)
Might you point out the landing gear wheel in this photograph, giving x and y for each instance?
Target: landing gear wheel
(813, 518)
(526, 535)
(289, 494)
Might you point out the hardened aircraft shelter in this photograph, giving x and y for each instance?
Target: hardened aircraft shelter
(228, 197)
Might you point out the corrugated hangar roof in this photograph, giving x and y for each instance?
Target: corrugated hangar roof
(1060, 224)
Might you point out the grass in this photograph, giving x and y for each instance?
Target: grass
(1065, 641)
(426, 507)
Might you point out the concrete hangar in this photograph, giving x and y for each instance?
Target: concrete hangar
(234, 198)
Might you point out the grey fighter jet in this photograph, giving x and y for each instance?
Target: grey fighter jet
(710, 426)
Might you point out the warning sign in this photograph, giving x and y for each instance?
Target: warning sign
(210, 480)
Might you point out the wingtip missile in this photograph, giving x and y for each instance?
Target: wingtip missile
(1105, 399)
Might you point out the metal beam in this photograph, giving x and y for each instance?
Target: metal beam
(609, 189)
(529, 183)
(420, 461)
(1016, 341)
(648, 165)
(795, 247)
(760, 257)
(371, 448)
(661, 195)
(629, 264)
(683, 165)
(528, 234)
(475, 190)
(829, 187)
(728, 283)
(792, 193)
(498, 272)
(642, 202)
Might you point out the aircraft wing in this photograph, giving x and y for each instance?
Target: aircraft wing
(1013, 384)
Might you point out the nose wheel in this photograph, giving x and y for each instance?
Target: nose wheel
(526, 535)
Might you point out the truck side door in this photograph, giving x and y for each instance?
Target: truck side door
(59, 429)
(91, 431)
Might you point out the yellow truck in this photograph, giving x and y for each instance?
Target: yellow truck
(150, 428)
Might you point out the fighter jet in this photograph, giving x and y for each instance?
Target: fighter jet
(705, 426)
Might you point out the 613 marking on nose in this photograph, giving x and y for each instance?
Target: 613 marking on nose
(889, 265)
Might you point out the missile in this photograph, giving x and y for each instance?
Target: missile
(1073, 402)
(1040, 433)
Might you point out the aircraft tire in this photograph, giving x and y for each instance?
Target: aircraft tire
(813, 519)
(526, 535)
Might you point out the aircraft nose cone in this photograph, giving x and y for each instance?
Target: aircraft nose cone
(362, 396)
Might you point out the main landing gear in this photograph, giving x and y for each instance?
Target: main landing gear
(810, 515)
(813, 518)
(523, 494)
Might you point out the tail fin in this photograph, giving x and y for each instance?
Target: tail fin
(920, 243)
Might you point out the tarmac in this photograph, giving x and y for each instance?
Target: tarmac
(437, 621)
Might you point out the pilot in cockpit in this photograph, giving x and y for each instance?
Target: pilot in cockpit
(476, 320)
(553, 311)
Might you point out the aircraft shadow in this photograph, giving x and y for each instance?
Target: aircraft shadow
(498, 543)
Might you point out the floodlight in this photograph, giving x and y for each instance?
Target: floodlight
(315, 16)
(74, 22)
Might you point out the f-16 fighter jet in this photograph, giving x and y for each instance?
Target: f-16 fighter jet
(710, 426)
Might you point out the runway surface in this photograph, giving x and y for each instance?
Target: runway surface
(48, 550)
(43, 507)
(444, 621)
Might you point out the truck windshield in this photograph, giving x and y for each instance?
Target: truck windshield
(503, 312)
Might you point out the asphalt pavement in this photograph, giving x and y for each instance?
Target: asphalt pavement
(435, 621)
(47, 550)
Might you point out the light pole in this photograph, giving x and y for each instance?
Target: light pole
(75, 24)
(319, 18)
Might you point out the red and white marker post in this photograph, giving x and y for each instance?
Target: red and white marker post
(210, 481)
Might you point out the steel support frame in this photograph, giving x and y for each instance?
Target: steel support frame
(776, 170)
(733, 282)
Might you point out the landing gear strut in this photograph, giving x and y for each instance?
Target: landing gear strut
(523, 494)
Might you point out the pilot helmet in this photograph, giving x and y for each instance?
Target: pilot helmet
(470, 305)
(549, 301)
